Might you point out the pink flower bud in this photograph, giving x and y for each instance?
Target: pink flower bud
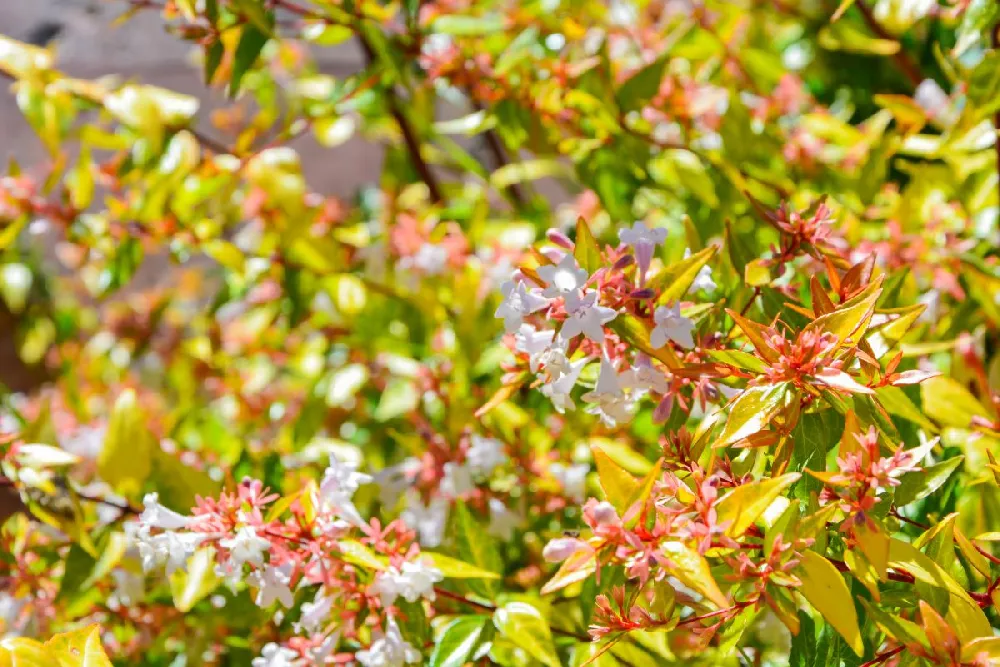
(559, 239)
(604, 514)
(561, 548)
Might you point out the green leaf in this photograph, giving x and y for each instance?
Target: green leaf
(252, 41)
(586, 251)
(191, 585)
(81, 648)
(692, 569)
(468, 26)
(452, 568)
(126, 460)
(948, 402)
(642, 86)
(751, 412)
(825, 589)
(477, 547)
(400, 397)
(618, 485)
(896, 626)
(456, 644)
(919, 484)
(743, 505)
(524, 625)
(213, 58)
(964, 614)
(676, 279)
(898, 404)
(635, 332)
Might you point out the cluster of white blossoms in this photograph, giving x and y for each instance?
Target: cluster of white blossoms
(614, 397)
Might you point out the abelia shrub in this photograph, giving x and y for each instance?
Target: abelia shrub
(668, 334)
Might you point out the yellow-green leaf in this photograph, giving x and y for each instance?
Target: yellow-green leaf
(452, 568)
(948, 402)
(586, 251)
(742, 506)
(125, 460)
(618, 485)
(692, 569)
(190, 586)
(825, 589)
(676, 279)
(751, 412)
(850, 321)
(81, 648)
(525, 626)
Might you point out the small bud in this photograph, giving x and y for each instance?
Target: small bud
(645, 293)
(561, 548)
(623, 262)
(605, 514)
(559, 239)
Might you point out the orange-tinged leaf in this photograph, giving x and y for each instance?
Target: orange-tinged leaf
(824, 587)
(850, 320)
(756, 333)
(942, 638)
(501, 395)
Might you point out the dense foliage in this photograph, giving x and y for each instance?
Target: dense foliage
(728, 394)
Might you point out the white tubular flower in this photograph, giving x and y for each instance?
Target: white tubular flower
(572, 478)
(643, 242)
(428, 520)
(388, 649)
(275, 655)
(588, 318)
(431, 259)
(484, 455)
(643, 377)
(414, 581)
(563, 278)
(156, 515)
(457, 480)
(394, 480)
(340, 481)
(671, 325)
(560, 385)
(315, 613)
(503, 521)
(246, 547)
(534, 343)
(610, 402)
(518, 301)
(704, 278)
(272, 583)
(169, 548)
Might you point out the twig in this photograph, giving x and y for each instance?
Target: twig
(910, 68)
(409, 136)
(882, 657)
(996, 117)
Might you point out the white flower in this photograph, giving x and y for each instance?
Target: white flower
(130, 587)
(272, 583)
(246, 547)
(587, 318)
(503, 522)
(518, 301)
(670, 324)
(169, 548)
(340, 481)
(392, 481)
(429, 258)
(561, 380)
(428, 520)
(156, 515)
(704, 278)
(315, 613)
(275, 655)
(572, 478)
(643, 377)
(416, 580)
(387, 649)
(562, 548)
(611, 403)
(562, 278)
(534, 343)
(484, 455)
(457, 480)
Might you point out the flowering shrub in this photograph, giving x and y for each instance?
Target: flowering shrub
(669, 335)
